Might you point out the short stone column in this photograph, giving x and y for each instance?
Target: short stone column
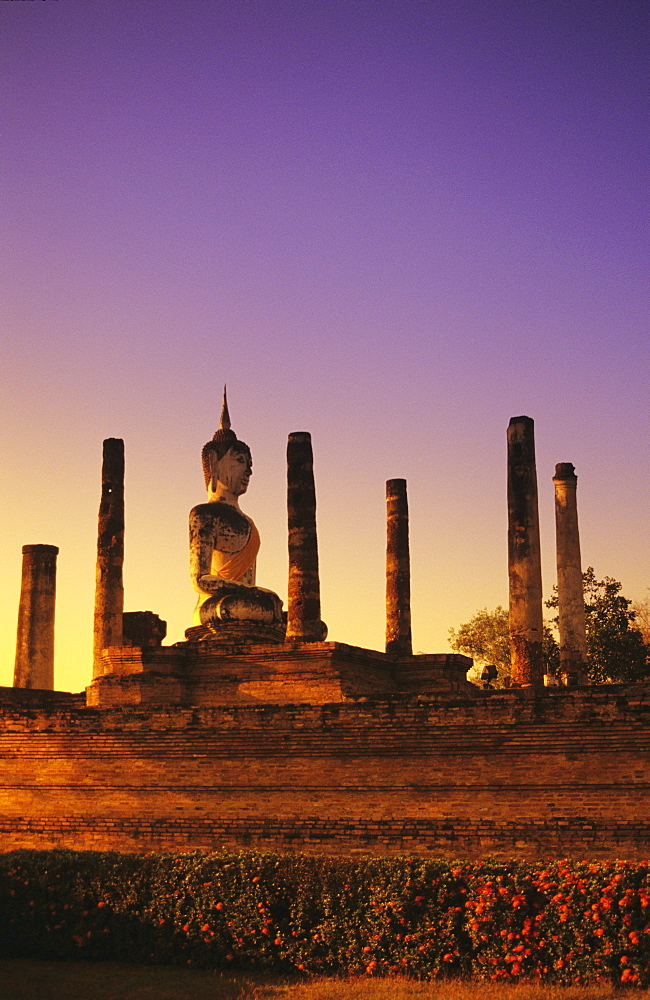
(524, 559)
(398, 570)
(570, 598)
(109, 588)
(303, 620)
(34, 666)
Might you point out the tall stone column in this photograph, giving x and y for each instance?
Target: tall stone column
(109, 589)
(303, 620)
(34, 666)
(398, 570)
(524, 559)
(570, 599)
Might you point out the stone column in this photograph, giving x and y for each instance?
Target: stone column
(35, 639)
(303, 621)
(524, 560)
(398, 570)
(109, 589)
(571, 603)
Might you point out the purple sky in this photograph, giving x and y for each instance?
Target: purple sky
(395, 225)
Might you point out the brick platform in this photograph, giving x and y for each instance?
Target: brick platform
(505, 774)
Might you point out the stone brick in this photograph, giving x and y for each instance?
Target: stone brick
(505, 773)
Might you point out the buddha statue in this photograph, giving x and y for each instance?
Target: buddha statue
(224, 541)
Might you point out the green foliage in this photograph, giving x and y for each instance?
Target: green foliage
(486, 639)
(560, 922)
(616, 650)
(615, 647)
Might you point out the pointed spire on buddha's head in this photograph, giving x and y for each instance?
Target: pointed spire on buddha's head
(224, 435)
(223, 439)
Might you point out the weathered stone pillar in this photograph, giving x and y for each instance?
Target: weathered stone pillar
(398, 570)
(35, 639)
(570, 599)
(109, 589)
(303, 621)
(524, 560)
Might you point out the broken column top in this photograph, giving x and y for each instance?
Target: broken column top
(41, 549)
(565, 470)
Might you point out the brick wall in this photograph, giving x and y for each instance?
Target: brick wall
(508, 774)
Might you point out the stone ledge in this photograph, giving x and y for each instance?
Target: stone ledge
(210, 674)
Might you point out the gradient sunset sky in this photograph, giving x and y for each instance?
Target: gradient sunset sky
(393, 224)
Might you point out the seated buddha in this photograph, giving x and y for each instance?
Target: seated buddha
(224, 541)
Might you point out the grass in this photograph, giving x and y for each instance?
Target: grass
(21, 979)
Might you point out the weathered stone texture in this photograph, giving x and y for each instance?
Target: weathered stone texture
(398, 570)
(34, 666)
(507, 773)
(524, 559)
(304, 613)
(571, 604)
(143, 628)
(209, 673)
(109, 588)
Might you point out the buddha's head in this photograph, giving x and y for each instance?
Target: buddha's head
(225, 459)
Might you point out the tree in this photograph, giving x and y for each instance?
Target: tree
(486, 638)
(616, 651)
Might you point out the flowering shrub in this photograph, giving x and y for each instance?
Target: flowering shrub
(562, 922)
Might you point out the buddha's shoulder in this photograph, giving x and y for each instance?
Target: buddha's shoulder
(218, 512)
(203, 510)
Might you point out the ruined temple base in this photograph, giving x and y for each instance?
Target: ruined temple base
(561, 773)
(211, 673)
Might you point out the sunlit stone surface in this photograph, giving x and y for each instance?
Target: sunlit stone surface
(571, 603)
(35, 638)
(109, 587)
(524, 559)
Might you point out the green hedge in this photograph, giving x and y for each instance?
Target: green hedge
(560, 922)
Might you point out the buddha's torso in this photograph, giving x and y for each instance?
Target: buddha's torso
(227, 530)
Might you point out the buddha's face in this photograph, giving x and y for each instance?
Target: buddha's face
(233, 471)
